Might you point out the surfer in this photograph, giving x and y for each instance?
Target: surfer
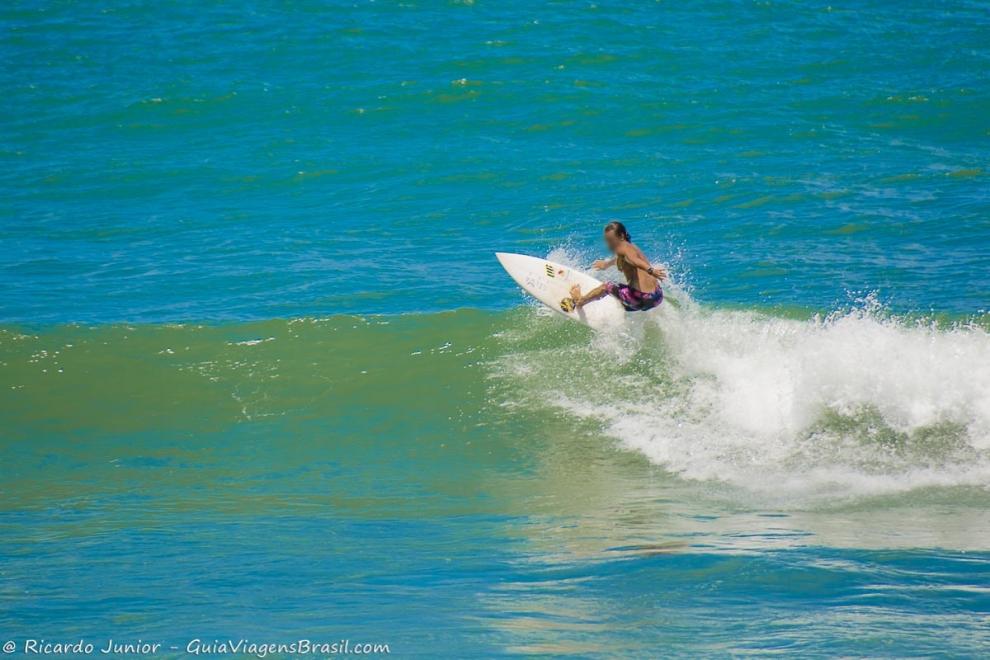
(643, 291)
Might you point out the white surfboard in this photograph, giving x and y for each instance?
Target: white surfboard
(551, 282)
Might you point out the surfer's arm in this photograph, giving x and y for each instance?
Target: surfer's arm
(602, 264)
(636, 261)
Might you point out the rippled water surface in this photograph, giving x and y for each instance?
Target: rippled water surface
(261, 376)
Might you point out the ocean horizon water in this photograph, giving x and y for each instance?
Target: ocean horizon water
(262, 379)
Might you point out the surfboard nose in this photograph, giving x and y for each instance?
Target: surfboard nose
(503, 258)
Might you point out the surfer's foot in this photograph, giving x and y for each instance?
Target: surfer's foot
(576, 293)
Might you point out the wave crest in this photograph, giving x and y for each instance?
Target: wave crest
(854, 404)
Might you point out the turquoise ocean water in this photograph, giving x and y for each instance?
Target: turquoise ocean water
(261, 376)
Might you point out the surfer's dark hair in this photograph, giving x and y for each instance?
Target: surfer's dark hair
(618, 229)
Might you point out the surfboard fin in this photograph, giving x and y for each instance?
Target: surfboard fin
(568, 305)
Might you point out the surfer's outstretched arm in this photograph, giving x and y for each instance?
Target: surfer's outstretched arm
(599, 291)
(602, 264)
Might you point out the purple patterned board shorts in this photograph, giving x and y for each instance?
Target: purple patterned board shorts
(635, 300)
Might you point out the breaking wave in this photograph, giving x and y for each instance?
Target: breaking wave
(857, 403)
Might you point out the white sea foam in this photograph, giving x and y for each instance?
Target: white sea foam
(855, 404)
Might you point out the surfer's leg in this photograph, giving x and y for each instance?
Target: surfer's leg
(599, 291)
